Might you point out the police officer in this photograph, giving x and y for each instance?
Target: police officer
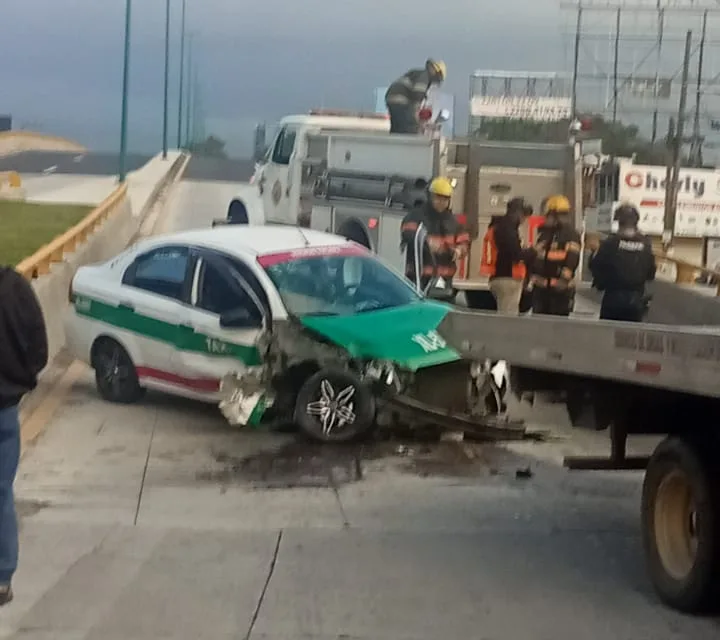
(622, 266)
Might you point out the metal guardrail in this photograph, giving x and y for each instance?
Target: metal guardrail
(40, 262)
(11, 178)
(686, 273)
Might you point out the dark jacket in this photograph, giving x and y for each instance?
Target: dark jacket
(557, 257)
(508, 246)
(444, 235)
(23, 339)
(623, 263)
(410, 88)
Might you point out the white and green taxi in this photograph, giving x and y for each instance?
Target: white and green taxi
(256, 317)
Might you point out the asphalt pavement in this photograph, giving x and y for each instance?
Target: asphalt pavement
(55, 162)
(218, 169)
(157, 520)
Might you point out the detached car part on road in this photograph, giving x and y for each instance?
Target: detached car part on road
(306, 324)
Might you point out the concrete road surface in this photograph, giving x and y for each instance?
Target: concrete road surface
(157, 520)
(89, 164)
(220, 170)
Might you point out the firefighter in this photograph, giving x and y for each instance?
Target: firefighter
(504, 259)
(405, 96)
(447, 240)
(556, 260)
(622, 267)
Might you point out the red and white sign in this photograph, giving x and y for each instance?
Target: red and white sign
(326, 251)
(698, 202)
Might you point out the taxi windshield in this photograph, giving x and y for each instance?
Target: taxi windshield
(335, 281)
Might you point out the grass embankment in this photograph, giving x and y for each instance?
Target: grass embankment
(25, 226)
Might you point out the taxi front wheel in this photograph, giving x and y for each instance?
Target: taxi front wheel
(115, 374)
(334, 406)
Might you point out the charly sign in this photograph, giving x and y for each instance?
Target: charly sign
(698, 202)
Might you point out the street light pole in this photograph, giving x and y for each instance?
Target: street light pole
(182, 76)
(167, 79)
(122, 168)
(189, 103)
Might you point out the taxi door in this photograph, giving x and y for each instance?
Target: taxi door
(221, 326)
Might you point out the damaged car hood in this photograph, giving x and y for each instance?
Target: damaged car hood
(405, 335)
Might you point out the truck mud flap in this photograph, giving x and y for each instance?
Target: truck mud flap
(494, 428)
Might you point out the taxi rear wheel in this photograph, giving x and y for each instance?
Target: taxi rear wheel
(115, 374)
(334, 406)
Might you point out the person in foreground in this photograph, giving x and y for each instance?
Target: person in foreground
(23, 355)
(621, 268)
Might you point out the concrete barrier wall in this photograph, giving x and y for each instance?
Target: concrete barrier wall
(115, 233)
(52, 290)
(17, 141)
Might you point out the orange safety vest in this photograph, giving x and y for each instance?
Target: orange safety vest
(488, 260)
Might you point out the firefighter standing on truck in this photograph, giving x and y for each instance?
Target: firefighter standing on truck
(405, 96)
(504, 258)
(556, 260)
(622, 267)
(447, 240)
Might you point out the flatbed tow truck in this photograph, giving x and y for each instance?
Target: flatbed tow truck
(633, 379)
(325, 173)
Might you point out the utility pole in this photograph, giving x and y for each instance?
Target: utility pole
(675, 157)
(616, 60)
(696, 149)
(576, 62)
(167, 79)
(182, 76)
(122, 160)
(188, 110)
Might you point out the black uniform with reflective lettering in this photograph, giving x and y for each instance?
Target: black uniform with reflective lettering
(621, 268)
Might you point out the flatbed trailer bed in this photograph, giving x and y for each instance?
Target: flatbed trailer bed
(631, 379)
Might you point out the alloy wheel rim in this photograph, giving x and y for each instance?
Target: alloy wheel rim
(334, 409)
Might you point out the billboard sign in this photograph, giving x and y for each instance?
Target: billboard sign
(541, 109)
(436, 99)
(698, 202)
(643, 87)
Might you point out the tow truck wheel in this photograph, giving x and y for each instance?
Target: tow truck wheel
(681, 526)
(334, 406)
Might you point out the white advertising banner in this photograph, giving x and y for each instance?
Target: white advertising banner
(521, 108)
(698, 203)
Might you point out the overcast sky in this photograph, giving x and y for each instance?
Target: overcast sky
(62, 59)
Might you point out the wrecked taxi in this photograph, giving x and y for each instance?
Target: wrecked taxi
(305, 326)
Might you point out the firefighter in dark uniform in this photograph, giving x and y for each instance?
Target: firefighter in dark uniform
(447, 240)
(405, 96)
(621, 268)
(556, 260)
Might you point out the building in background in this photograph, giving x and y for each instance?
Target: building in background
(5, 122)
(437, 99)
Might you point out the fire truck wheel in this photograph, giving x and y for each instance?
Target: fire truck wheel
(681, 525)
(334, 406)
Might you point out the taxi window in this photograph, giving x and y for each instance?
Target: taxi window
(162, 272)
